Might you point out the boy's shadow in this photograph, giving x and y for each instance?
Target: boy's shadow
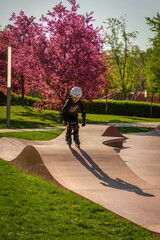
(107, 181)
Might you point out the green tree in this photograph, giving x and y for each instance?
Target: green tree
(155, 27)
(120, 43)
(153, 64)
(134, 70)
(153, 74)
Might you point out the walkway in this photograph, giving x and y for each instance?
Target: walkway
(122, 124)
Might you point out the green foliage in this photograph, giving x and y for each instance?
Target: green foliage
(123, 108)
(153, 72)
(96, 107)
(17, 100)
(3, 100)
(154, 24)
(28, 101)
(153, 63)
(125, 57)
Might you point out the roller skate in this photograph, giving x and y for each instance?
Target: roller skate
(77, 142)
(69, 142)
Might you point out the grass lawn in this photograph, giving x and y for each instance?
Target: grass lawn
(35, 209)
(29, 117)
(33, 136)
(100, 118)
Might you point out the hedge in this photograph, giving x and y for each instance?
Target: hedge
(114, 107)
(17, 99)
(3, 99)
(123, 108)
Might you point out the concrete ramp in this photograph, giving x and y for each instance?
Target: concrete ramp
(30, 161)
(141, 152)
(95, 171)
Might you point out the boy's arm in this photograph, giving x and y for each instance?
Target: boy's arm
(63, 112)
(83, 114)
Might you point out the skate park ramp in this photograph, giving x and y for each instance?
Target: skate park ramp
(96, 171)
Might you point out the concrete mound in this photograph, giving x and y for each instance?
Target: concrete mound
(30, 161)
(112, 131)
(157, 129)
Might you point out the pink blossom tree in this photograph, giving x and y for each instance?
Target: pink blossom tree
(3, 59)
(22, 36)
(74, 55)
(63, 51)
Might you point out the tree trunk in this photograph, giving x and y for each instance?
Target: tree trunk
(106, 105)
(151, 106)
(22, 78)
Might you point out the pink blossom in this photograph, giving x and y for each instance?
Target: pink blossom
(63, 51)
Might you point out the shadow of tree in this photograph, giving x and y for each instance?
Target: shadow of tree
(28, 124)
(41, 116)
(30, 118)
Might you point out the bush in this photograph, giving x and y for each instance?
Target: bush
(96, 107)
(123, 108)
(17, 100)
(3, 99)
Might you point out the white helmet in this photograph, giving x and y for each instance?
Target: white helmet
(76, 92)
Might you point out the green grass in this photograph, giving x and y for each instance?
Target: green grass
(100, 118)
(125, 130)
(35, 209)
(34, 136)
(29, 117)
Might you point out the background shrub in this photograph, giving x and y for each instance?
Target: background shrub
(3, 100)
(113, 107)
(123, 108)
(17, 100)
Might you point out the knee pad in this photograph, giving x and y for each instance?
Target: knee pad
(68, 136)
(70, 128)
(76, 127)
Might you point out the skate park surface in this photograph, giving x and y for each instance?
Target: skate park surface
(126, 183)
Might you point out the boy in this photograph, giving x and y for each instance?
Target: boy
(70, 115)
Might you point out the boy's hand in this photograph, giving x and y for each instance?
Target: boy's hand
(67, 124)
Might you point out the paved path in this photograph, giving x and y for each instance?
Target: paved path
(141, 152)
(95, 172)
(122, 124)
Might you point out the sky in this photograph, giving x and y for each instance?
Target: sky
(135, 11)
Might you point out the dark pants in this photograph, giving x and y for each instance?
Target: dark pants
(73, 127)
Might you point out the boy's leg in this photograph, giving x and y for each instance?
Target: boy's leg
(76, 130)
(76, 133)
(68, 133)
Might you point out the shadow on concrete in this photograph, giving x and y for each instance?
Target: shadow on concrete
(107, 181)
